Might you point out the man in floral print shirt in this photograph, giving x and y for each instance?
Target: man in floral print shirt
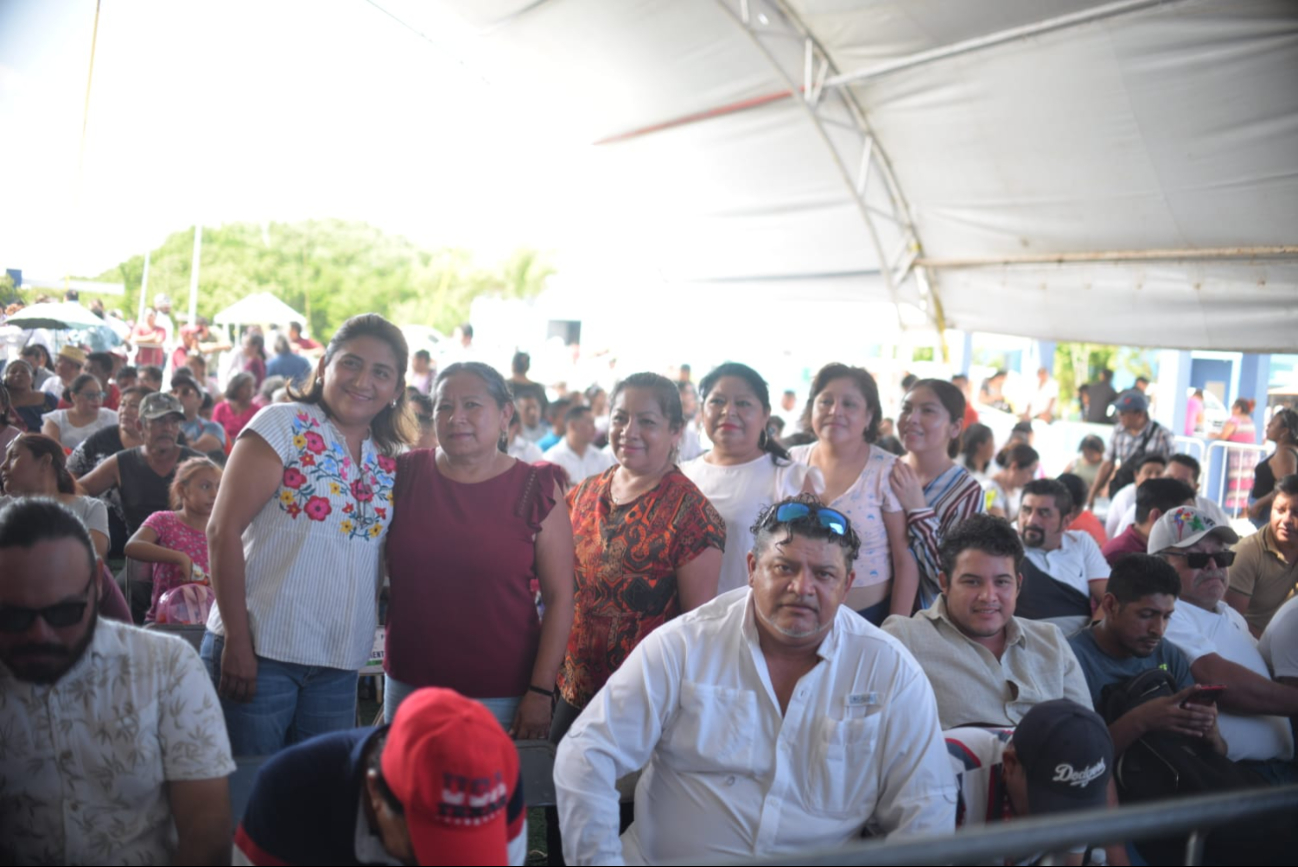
(112, 746)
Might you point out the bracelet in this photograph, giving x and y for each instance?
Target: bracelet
(548, 693)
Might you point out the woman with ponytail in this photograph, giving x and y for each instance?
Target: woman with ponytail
(747, 468)
(35, 466)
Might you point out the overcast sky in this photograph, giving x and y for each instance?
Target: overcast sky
(254, 111)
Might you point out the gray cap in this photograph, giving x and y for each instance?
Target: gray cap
(157, 404)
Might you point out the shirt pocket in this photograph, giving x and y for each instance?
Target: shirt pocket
(841, 779)
(714, 731)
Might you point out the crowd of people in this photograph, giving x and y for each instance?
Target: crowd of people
(799, 636)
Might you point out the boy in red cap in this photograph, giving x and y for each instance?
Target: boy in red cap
(441, 785)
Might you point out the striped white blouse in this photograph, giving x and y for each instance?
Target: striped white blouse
(313, 552)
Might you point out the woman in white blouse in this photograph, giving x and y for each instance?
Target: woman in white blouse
(296, 538)
(70, 427)
(747, 469)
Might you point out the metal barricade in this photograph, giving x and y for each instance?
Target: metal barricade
(1025, 838)
(1216, 475)
(1192, 446)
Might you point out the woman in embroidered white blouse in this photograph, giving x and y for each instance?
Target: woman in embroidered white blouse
(296, 543)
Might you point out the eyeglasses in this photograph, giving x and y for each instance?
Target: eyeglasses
(1199, 559)
(58, 616)
(835, 522)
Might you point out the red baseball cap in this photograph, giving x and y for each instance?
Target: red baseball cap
(456, 773)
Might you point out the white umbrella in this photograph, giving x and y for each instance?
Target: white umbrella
(55, 315)
(259, 309)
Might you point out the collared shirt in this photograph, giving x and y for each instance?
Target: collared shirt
(195, 430)
(314, 551)
(1261, 573)
(1129, 541)
(1224, 632)
(84, 762)
(1076, 562)
(972, 686)
(523, 449)
(578, 467)
(729, 776)
(1123, 444)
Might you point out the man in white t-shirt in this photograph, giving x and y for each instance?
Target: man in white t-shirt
(575, 452)
(1183, 468)
(1221, 650)
(113, 748)
(1043, 404)
(1070, 557)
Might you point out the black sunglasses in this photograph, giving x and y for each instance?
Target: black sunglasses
(1199, 559)
(834, 521)
(58, 616)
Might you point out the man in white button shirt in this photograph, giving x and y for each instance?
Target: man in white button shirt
(112, 745)
(575, 452)
(769, 721)
(1216, 640)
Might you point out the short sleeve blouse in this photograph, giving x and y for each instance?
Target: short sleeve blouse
(174, 534)
(627, 557)
(461, 561)
(864, 503)
(71, 437)
(313, 553)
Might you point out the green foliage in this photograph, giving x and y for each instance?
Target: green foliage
(329, 270)
(1076, 364)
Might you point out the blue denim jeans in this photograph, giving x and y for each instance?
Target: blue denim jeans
(396, 691)
(293, 702)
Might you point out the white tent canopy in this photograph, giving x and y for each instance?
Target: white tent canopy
(1118, 172)
(259, 309)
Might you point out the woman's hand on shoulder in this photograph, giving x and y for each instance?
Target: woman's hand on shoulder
(906, 486)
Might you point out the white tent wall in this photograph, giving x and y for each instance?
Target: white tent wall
(1129, 176)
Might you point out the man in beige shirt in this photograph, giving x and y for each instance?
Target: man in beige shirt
(1266, 563)
(987, 667)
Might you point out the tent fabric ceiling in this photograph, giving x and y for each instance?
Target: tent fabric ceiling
(1026, 173)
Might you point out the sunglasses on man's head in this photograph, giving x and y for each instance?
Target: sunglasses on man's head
(61, 615)
(835, 522)
(1199, 559)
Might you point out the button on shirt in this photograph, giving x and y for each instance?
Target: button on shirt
(973, 687)
(84, 761)
(728, 776)
(1224, 632)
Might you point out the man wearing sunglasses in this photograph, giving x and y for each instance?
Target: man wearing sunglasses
(769, 721)
(1216, 640)
(112, 745)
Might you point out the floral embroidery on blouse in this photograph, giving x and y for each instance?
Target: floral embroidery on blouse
(321, 473)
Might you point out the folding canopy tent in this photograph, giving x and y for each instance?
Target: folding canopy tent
(1118, 172)
(261, 308)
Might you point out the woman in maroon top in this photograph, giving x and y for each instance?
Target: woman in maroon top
(472, 529)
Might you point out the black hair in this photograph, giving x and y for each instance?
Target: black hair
(980, 532)
(151, 371)
(141, 390)
(908, 382)
(374, 764)
(258, 341)
(532, 390)
(497, 387)
(1092, 442)
(864, 383)
(423, 355)
(1187, 461)
(664, 391)
(29, 520)
(6, 406)
(574, 412)
(42, 446)
(1076, 486)
(467, 330)
(103, 359)
(754, 380)
(1288, 485)
(1162, 494)
(79, 382)
(974, 436)
(423, 407)
(1146, 460)
(1017, 454)
(130, 370)
(1289, 419)
(767, 524)
(558, 410)
(1136, 576)
(1051, 488)
(237, 381)
(521, 362)
(952, 400)
(393, 426)
(33, 349)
